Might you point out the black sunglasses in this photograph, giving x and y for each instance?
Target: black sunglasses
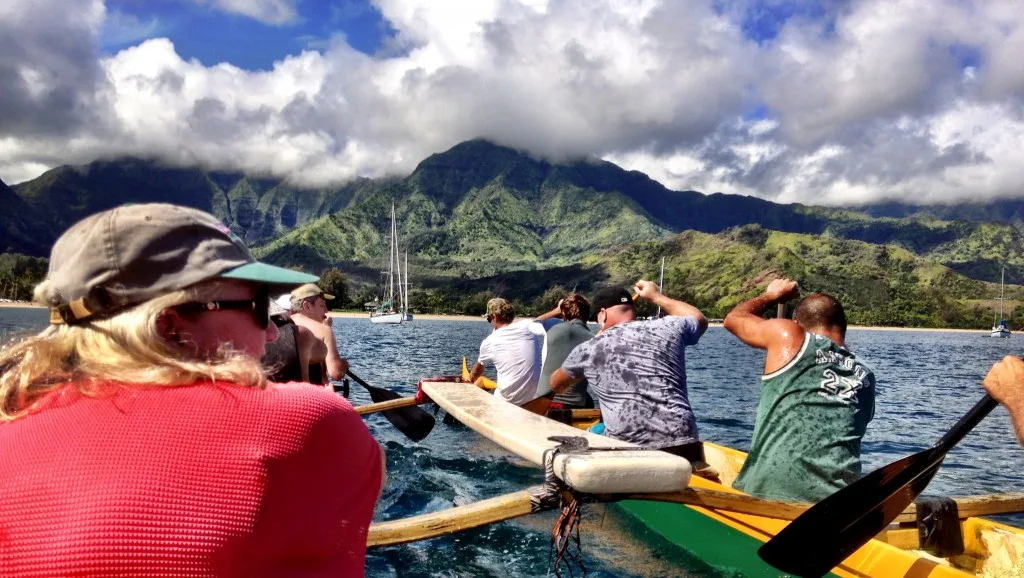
(258, 305)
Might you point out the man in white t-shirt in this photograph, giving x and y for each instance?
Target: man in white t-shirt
(513, 350)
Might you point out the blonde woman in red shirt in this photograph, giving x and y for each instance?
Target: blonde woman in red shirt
(139, 435)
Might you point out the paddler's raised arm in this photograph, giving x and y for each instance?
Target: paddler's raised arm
(649, 291)
(782, 338)
(555, 313)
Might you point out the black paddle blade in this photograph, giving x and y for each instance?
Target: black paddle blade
(837, 526)
(412, 421)
(843, 522)
(415, 423)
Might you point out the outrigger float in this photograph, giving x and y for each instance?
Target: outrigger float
(707, 518)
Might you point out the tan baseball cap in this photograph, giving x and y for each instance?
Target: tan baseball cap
(309, 290)
(119, 258)
(500, 308)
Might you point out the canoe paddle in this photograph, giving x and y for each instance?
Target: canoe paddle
(411, 421)
(831, 530)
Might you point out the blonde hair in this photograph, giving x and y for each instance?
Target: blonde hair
(124, 348)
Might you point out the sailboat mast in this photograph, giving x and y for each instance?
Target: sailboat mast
(661, 283)
(391, 268)
(394, 258)
(405, 287)
(1002, 279)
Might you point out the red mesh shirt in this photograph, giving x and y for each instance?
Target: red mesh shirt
(208, 480)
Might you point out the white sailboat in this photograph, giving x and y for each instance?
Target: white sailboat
(1000, 328)
(394, 308)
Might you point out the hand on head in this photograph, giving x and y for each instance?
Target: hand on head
(782, 290)
(646, 289)
(1005, 381)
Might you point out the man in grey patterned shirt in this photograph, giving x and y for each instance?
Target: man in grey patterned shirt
(636, 370)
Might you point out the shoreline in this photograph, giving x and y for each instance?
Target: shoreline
(415, 316)
(442, 317)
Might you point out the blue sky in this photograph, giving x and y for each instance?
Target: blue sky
(213, 36)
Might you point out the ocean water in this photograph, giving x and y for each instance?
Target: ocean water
(926, 382)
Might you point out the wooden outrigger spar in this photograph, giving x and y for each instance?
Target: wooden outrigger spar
(710, 520)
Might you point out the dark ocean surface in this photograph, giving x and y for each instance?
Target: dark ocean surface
(926, 381)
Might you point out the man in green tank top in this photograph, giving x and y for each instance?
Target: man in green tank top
(816, 397)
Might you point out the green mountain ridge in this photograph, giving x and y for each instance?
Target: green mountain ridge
(481, 206)
(486, 208)
(257, 209)
(879, 285)
(21, 227)
(481, 217)
(997, 211)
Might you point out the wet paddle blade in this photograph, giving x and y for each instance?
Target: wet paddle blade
(841, 523)
(837, 526)
(415, 423)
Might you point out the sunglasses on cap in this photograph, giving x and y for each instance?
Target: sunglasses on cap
(258, 305)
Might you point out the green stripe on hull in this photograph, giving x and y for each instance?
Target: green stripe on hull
(725, 549)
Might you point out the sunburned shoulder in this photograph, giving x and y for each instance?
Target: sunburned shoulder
(318, 329)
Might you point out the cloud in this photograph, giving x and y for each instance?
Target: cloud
(50, 78)
(272, 12)
(120, 29)
(916, 100)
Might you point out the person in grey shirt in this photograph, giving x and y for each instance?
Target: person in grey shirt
(563, 328)
(636, 370)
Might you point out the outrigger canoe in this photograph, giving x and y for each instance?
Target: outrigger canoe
(728, 541)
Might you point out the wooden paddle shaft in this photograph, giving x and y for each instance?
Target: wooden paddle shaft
(518, 504)
(450, 521)
(386, 405)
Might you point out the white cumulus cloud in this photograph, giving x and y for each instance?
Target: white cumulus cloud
(273, 12)
(918, 100)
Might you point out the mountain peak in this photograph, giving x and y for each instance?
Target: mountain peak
(476, 151)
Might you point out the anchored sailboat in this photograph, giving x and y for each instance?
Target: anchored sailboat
(394, 308)
(1000, 328)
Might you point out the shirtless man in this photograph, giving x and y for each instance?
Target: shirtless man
(309, 310)
(290, 356)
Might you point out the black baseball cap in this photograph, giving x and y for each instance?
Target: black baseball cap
(610, 297)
